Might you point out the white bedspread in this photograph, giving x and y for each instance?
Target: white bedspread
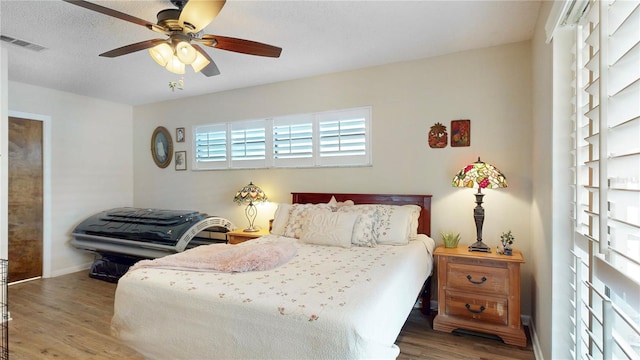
(325, 303)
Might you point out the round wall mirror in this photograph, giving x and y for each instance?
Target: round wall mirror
(161, 147)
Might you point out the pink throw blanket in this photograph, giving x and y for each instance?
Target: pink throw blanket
(226, 258)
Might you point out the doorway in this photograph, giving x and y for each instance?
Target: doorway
(25, 198)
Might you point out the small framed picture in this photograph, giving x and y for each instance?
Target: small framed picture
(460, 133)
(181, 160)
(180, 135)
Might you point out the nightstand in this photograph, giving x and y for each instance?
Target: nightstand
(479, 292)
(238, 236)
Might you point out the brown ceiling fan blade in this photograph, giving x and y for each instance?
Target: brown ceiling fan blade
(111, 12)
(197, 14)
(128, 49)
(211, 69)
(241, 46)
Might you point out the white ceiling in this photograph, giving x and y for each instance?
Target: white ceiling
(317, 37)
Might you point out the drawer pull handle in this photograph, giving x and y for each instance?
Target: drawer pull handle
(474, 311)
(469, 277)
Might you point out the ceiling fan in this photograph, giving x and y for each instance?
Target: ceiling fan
(183, 26)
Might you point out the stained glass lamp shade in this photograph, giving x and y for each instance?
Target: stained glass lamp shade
(249, 195)
(483, 176)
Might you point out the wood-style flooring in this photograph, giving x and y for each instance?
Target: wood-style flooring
(67, 317)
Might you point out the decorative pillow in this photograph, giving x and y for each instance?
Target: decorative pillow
(280, 219)
(415, 215)
(298, 218)
(364, 228)
(329, 228)
(395, 223)
(384, 224)
(335, 204)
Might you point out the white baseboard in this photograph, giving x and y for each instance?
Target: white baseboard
(535, 342)
(71, 269)
(24, 280)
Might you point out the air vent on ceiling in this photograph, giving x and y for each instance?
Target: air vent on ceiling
(22, 43)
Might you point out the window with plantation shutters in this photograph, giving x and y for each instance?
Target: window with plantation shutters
(293, 143)
(343, 137)
(332, 138)
(210, 144)
(248, 144)
(606, 170)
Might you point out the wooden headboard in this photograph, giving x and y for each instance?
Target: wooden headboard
(424, 201)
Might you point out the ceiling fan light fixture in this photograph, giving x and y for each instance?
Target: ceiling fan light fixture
(200, 63)
(161, 53)
(175, 65)
(186, 53)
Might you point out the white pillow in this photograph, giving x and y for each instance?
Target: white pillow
(335, 204)
(329, 228)
(395, 224)
(364, 228)
(280, 219)
(298, 218)
(415, 215)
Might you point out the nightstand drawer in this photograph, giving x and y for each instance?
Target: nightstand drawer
(488, 309)
(475, 278)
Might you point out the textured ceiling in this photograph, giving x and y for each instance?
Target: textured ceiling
(317, 37)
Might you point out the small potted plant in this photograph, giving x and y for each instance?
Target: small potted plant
(450, 239)
(507, 240)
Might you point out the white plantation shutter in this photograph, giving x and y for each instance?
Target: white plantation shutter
(210, 144)
(248, 144)
(344, 137)
(606, 177)
(293, 140)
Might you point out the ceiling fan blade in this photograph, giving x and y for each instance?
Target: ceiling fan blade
(211, 69)
(128, 49)
(111, 12)
(240, 45)
(197, 14)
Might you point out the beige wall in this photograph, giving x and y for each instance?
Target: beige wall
(90, 163)
(542, 205)
(490, 86)
(552, 196)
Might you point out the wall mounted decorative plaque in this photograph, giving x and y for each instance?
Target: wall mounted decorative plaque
(460, 133)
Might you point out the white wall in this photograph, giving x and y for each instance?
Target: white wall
(91, 162)
(491, 87)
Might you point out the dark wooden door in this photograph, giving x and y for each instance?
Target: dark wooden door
(25, 215)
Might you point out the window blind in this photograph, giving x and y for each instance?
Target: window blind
(606, 172)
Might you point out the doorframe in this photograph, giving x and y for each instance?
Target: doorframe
(46, 187)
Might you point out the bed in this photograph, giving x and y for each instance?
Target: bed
(325, 302)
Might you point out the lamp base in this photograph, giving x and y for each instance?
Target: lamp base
(251, 229)
(479, 246)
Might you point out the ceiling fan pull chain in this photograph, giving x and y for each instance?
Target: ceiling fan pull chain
(177, 85)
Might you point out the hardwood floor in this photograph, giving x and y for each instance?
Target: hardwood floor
(68, 317)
